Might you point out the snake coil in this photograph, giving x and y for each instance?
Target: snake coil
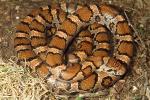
(86, 50)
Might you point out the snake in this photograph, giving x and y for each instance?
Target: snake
(78, 50)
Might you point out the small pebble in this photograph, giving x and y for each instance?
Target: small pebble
(110, 2)
(17, 17)
(141, 25)
(17, 7)
(148, 92)
(134, 89)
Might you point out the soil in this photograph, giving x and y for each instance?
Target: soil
(135, 85)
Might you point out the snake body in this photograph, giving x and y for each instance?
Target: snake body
(86, 50)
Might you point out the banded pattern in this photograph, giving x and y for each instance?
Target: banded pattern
(86, 50)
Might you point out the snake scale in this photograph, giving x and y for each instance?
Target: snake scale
(84, 49)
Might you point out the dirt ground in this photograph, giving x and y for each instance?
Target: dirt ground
(135, 85)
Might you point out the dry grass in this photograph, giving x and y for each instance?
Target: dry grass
(17, 84)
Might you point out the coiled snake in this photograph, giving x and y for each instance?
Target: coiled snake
(86, 50)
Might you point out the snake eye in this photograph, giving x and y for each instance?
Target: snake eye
(107, 81)
(97, 18)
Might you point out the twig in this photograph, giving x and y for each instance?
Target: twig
(135, 31)
(145, 85)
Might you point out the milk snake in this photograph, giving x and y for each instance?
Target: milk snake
(87, 49)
